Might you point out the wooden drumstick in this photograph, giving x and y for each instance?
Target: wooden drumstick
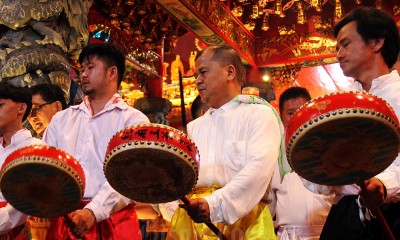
(213, 228)
(71, 226)
(378, 214)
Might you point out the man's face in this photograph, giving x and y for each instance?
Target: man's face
(41, 114)
(211, 80)
(93, 75)
(355, 56)
(9, 111)
(289, 108)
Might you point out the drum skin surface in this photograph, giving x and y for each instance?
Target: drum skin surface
(342, 138)
(42, 181)
(151, 163)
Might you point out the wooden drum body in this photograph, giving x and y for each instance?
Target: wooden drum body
(342, 138)
(42, 181)
(151, 163)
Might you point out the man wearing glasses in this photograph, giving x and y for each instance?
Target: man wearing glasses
(47, 100)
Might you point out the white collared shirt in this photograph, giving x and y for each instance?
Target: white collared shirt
(86, 138)
(239, 147)
(9, 216)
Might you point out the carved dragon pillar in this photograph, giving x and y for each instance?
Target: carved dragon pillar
(41, 39)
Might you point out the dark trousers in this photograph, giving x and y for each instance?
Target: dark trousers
(343, 222)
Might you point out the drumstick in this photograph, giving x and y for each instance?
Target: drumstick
(381, 219)
(213, 228)
(71, 226)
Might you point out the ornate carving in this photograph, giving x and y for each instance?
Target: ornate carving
(40, 39)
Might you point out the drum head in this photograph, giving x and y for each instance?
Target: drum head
(147, 174)
(342, 138)
(41, 186)
(344, 151)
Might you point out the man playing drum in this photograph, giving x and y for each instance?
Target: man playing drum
(84, 132)
(298, 211)
(15, 106)
(239, 145)
(367, 47)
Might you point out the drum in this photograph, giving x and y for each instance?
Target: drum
(151, 163)
(42, 181)
(342, 138)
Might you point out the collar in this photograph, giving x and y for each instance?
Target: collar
(384, 80)
(114, 102)
(224, 108)
(20, 136)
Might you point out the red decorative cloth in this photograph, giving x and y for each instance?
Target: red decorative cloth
(123, 224)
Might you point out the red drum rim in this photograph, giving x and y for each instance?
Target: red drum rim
(43, 163)
(151, 148)
(319, 108)
(342, 138)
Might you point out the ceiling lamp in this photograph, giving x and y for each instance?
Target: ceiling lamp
(358, 2)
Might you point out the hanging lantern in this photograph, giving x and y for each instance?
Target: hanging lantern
(237, 11)
(378, 4)
(278, 7)
(338, 14)
(265, 24)
(254, 14)
(301, 19)
(250, 25)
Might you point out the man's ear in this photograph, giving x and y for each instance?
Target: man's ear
(231, 72)
(58, 106)
(377, 44)
(113, 72)
(22, 108)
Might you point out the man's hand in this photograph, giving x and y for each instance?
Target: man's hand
(374, 193)
(198, 210)
(83, 221)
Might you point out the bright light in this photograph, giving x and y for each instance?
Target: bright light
(265, 78)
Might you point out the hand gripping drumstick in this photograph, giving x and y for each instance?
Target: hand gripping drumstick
(213, 228)
(71, 227)
(381, 219)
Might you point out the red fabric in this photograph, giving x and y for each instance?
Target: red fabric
(121, 225)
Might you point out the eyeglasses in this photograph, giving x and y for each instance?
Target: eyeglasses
(36, 109)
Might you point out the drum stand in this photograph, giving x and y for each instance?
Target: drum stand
(379, 217)
(213, 228)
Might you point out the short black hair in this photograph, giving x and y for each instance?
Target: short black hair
(373, 24)
(293, 93)
(50, 93)
(225, 55)
(197, 106)
(18, 95)
(110, 54)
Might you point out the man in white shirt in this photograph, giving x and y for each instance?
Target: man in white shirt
(367, 47)
(15, 106)
(297, 210)
(239, 145)
(84, 132)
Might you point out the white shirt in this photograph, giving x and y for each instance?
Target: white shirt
(239, 147)
(296, 206)
(86, 137)
(9, 216)
(386, 87)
